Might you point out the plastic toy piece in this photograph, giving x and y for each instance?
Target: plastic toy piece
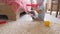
(3, 22)
(47, 23)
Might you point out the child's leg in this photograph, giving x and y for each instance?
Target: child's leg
(42, 14)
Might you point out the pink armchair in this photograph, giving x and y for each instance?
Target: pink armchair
(12, 8)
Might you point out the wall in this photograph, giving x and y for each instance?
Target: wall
(54, 8)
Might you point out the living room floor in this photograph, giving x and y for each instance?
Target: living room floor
(26, 25)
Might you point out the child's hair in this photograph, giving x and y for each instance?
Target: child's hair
(31, 8)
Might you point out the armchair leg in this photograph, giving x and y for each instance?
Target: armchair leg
(57, 9)
(51, 8)
(56, 13)
(59, 13)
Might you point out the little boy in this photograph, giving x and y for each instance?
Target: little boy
(33, 14)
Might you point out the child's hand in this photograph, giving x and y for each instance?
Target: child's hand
(38, 10)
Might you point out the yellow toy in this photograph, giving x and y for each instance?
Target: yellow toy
(47, 23)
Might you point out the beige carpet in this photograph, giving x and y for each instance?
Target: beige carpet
(52, 17)
(29, 27)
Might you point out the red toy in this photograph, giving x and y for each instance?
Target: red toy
(2, 21)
